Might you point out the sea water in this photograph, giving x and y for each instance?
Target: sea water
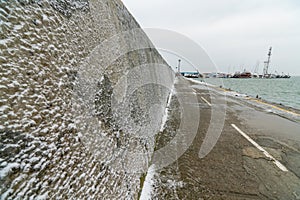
(284, 91)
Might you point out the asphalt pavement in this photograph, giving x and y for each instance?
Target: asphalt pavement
(255, 154)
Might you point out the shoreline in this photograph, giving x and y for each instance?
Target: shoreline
(276, 108)
(277, 100)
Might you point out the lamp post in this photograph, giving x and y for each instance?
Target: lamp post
(179, 66)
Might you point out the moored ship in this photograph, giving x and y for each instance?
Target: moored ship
(244, 74)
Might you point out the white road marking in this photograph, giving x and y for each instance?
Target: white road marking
(206, 101)
(276, 162)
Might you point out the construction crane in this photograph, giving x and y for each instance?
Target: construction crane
(267, 63)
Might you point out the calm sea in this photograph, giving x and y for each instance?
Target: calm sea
(285, 91)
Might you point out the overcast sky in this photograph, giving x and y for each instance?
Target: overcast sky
(236, 34)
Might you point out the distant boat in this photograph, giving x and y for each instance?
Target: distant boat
(269, 76)
(286, 76)
(244, 74)
(255, 75)
(282, 76)
(191, 74)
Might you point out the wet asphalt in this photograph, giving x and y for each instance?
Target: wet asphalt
(233, 167)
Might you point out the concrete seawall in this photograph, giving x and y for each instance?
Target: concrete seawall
(78, 82)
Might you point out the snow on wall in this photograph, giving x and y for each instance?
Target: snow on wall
(78, 81)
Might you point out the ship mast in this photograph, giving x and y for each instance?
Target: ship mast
(267, 63)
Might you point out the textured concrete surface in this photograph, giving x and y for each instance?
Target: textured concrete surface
(61, 134)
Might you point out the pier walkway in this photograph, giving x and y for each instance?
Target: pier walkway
(257, 155)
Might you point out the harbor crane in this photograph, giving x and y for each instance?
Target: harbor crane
(267, 63)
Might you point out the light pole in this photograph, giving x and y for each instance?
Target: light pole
(179, 66)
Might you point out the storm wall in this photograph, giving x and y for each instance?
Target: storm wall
(82, 95)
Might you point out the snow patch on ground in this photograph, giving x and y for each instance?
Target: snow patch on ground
(148, 184)
(165, 116)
